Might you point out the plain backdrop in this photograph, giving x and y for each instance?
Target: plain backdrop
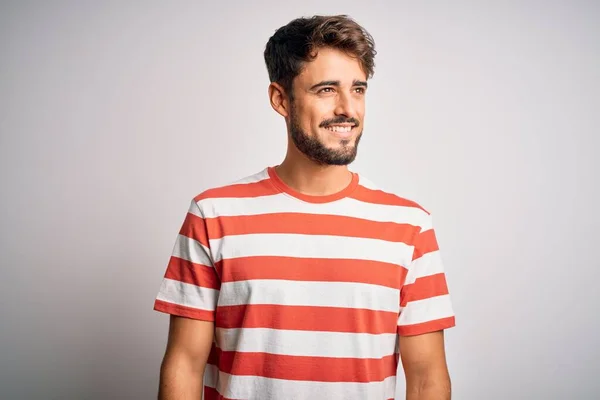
(114, 114)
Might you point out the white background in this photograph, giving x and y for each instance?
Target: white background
(113, 115)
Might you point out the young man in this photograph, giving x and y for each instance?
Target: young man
(305, 281)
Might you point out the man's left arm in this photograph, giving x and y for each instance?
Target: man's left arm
(425, 312)
(424, 361)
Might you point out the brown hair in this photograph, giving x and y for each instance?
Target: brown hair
(297, 42)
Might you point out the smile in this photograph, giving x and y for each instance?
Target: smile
(344, 131)
(340, 129)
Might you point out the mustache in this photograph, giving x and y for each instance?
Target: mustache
(339, 120)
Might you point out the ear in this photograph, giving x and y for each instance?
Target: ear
(279, 99)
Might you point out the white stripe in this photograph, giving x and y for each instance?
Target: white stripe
(426, 224)
(254, 178)
(426, 265)
(191, 250)
(306, 343)
(425, 310)
(194, 208)
(211, 376)
(282, 203)
(369, 184)
(188, 295)
(305, 293)
(249, 387)
(311, 246)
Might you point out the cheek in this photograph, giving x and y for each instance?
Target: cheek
(321, 114)
(360, 108)
(310, 117)
(313, 120)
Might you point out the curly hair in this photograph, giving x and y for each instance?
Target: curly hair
(297, 42)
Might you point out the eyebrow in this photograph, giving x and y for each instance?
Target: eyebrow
(355, 82)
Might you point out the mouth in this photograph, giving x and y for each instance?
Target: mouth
(341, 130)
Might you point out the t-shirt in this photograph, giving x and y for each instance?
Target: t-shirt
(308, 294)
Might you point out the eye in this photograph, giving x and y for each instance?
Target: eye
(326, 90)
(360, 90)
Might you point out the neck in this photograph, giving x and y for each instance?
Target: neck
(307, 177)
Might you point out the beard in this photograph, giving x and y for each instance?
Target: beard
(316, 150)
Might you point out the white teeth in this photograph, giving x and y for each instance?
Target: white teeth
(340, 128)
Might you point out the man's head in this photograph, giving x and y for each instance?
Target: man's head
(318, 69)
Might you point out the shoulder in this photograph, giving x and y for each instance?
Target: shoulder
(411, 210)
(253, 185)
(384, 195)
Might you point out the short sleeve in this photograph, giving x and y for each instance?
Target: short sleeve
(190, 287)
(425, 304)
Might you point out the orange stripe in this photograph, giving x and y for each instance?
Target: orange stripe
(305, 368)
(310, 224)
(426, 327)
(424, 288)
(212, 394)
(255, 189)
(195, 228)
(306, 318)
(425, 243)
(312, 269)
(380, 197)
(183, 311)
(189, 272)
(213, 356)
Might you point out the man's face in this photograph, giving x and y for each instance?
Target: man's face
(328, 108)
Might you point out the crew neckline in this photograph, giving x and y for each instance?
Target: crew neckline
(282, 186)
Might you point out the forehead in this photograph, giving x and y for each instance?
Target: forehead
(331, 64)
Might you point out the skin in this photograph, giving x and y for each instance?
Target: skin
(424, 362)
(182, 368)
(315, 102)
(330, 90)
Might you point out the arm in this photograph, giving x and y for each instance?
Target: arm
(424, 362)
(188, 347)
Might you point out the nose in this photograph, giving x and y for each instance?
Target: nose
(345, 105)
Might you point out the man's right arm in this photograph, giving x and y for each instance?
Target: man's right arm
(182, 369)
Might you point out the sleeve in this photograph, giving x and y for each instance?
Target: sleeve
(190, 287)
(425, 304)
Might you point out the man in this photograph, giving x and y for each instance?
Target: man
(305, 281)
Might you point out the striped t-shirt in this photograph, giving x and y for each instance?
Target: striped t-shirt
(307, 293)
